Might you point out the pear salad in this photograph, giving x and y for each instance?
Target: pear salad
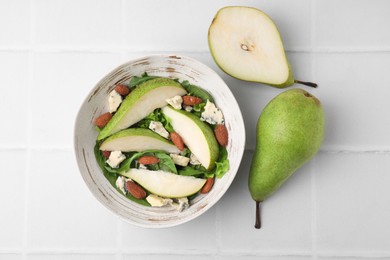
(162, 141)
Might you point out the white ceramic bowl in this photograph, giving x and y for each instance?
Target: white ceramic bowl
(173, 66)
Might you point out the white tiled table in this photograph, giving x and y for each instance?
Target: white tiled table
(52, 53)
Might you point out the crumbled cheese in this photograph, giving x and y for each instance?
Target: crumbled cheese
(158, 128)
(194, 160)
(156, 201)
(114, 100)
(120, 184)
(187, 108)
(181, 204)
(116, 157)
(212, 114)
(179, 160)
(175, 102)
(141, 166)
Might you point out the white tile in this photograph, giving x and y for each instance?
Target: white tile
(294, 22)
(353, 23)
(11, 256)
(61, 83)
(167, 257)
(363, 257)
(87, 23)
(62, 213)
(184, 25)
(12, 187)
(68, 256)
(286, 216)
(14, 97)
(353, 203)
(187, 237)
(354, 93)
(250, 257)
(14, 22)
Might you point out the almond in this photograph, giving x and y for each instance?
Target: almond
(103, 119)
(207, 186)
(191, 100)
(134, 189)
(148, 159)
(177, 140)
(106, 154)
(122, 90)
(221, 133)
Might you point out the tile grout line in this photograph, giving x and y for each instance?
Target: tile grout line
(313, 64)
(314, 230)
(69, 148)
(28, 131)
(168, 252)
(119, 49)
(119, 252)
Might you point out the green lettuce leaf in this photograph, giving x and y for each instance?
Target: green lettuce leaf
(222, 164)
(136, 80)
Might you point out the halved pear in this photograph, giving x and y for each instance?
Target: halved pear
(196, 135)
(140, 102)
(137, 139)
(165, 184)
(246, 44)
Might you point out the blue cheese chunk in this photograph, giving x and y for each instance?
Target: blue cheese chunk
(181, 204)
(141, 166)
(158, 128)
(175, 102)
(212, 114)
(116, 157)
(179, 160)
(157, 201)
(120, 184)
(114, 100)
(194, 160)
(187, 108)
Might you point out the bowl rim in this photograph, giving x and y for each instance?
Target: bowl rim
(218, 196)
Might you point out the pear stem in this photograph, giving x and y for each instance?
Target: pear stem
(258, 219)
(310, 84)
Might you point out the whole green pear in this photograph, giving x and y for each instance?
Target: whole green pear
(289, 133)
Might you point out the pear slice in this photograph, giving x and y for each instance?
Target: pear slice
(196, 135)
(165, 184)
(246, 44)
(140, 102)
(137, 139)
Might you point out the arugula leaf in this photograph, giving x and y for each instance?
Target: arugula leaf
(156, 115)
(166, 163)
(191, 171)
(186, 152)
(198, 109)
(221, 167)
(197, 91)
(135, 80)
(112, 177)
